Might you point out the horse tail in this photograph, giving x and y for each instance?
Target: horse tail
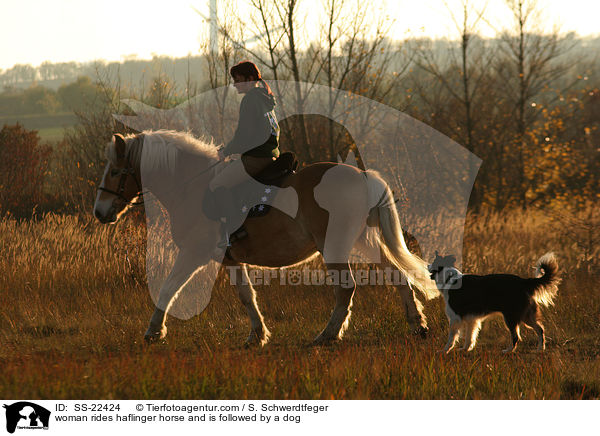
(382, 204)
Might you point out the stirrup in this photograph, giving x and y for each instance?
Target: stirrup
(225, 242)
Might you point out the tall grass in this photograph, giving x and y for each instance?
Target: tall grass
(75, 308)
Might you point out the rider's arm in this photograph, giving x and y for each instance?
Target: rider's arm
(246, 125)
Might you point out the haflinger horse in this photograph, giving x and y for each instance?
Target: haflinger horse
(275, 240)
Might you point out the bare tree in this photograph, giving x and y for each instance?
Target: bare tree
(356, 56)
(220, 61)
(529, 65)
(286, 10)
(460, 78)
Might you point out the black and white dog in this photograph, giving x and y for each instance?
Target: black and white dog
(471, 298)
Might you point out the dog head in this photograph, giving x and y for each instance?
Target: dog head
(440, 263)
(443, 272)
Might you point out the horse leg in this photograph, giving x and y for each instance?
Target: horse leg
(412, 306)
(259, 334)
(186, 264)
(414, 310)
(345, 285)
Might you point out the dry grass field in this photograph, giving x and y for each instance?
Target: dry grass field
(74, 311)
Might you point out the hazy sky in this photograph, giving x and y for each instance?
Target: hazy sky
(32, 31)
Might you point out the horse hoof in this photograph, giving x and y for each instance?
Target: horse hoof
(257, 338)
(153, 336)
(324, 341)
(252, 343)
(150, 339)
(422, 331)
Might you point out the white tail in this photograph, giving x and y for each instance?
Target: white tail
(547, 287)
(413, 267)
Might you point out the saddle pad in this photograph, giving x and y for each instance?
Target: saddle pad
(256, 204)
(251, 199)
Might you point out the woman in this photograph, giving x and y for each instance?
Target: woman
(256, 139)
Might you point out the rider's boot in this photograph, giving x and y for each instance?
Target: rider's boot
(226, 205)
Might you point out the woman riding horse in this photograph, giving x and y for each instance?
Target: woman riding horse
(256, 139)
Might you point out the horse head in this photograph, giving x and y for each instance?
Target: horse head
(121, 185)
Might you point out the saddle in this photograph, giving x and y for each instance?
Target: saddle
(253, 198)
(276, 172)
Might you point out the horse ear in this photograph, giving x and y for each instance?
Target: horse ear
(436, 253)
(119, 145)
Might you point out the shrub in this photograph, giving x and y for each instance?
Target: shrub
(23, 167)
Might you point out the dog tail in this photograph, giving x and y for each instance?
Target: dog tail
(412, 266)
(547, 284)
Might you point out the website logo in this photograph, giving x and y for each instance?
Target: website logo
(26, 415)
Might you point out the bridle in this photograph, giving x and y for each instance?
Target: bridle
(130, 171)
(125, 173)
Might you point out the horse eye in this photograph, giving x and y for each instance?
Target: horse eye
(114, 173)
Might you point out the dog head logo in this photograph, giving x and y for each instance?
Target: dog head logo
(294, 277)
(26, 415)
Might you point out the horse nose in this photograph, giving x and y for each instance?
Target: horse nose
(98, 215)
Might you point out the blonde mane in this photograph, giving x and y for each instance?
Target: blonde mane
(161, 149)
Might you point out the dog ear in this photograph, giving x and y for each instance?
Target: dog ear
(452, 259)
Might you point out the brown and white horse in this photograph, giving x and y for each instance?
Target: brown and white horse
(276, 240)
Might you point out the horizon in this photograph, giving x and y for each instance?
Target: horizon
(111, 39)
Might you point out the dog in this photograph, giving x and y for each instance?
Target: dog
(470, 299)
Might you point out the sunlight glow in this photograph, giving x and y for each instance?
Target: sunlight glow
(70, 30)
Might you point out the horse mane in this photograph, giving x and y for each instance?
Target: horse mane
(161, 149)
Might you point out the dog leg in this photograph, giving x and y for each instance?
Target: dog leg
(514, 336)
(452, 336)
(471, 334)
(533, 321)
(539, 329)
